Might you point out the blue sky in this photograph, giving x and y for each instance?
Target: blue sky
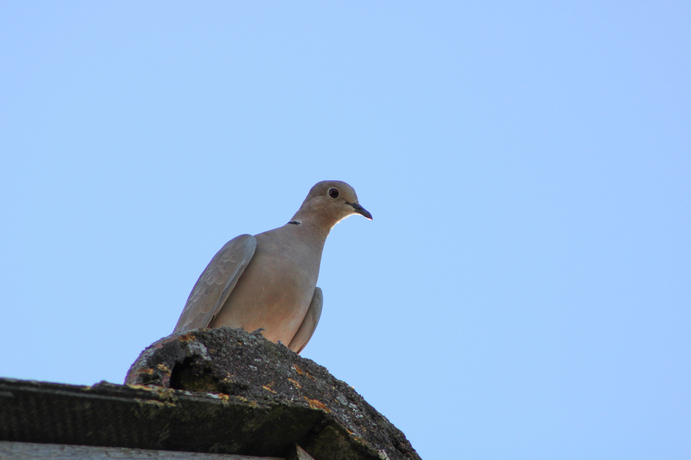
(524, 288)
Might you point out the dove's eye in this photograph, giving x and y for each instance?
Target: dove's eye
(333, 192)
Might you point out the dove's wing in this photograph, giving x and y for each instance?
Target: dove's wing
(216, 283)
(309, 324)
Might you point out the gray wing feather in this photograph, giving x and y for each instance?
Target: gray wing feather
(309, 324)
(216, 283)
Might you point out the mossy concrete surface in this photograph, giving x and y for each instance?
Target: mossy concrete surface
(268, 399)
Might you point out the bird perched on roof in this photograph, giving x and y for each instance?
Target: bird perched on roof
(269, 281)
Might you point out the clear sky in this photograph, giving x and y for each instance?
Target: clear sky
(524, 290)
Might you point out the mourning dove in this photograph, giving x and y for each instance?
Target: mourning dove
(269, 281)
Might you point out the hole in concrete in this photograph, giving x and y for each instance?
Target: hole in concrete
(189, 375)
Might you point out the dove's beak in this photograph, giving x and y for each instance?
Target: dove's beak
(360, 210)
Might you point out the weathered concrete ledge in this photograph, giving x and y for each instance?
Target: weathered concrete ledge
(268, 399)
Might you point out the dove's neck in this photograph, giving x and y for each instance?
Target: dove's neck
(317, 224)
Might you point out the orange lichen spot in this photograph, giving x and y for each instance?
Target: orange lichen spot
(162, 367)
(301, 372)
(298, 370)
(267, 387)
(247, 401)
(316, 404)
(189, 337)
(141, 387)
(165, 393)
(295, 383)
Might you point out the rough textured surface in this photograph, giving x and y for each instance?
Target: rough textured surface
(33, 451)
(148, 418)
(247, 367)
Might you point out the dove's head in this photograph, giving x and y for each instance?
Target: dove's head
(329, 202)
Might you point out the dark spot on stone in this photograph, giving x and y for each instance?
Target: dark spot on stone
(188, 376)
